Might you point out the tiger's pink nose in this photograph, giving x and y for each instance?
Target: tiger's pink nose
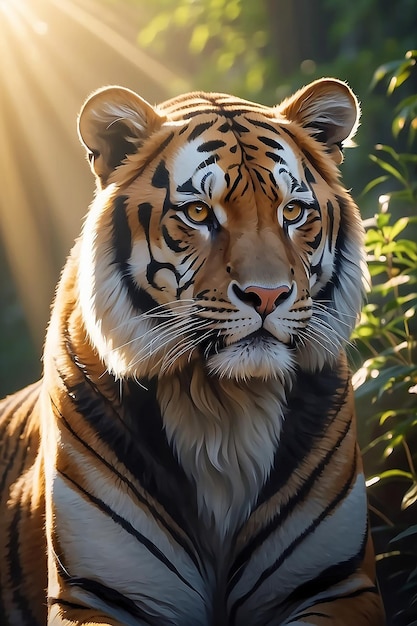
(265, 299)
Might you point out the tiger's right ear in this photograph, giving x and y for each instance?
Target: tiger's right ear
(112, 124)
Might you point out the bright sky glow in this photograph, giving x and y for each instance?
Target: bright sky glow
(53, 54)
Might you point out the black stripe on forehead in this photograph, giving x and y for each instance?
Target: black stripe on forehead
(188, 185)
(264, 125)
(209, 146)
(296, 185)
(199, 129)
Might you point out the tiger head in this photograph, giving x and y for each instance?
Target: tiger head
(220, 232)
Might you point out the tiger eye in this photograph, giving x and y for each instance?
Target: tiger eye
(197, 212)
(292, 212)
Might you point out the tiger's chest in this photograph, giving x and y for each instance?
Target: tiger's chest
(203, 531)
(204, 579)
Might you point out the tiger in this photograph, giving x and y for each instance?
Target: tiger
(189, 456)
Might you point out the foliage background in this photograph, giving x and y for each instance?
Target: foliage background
(263, 51)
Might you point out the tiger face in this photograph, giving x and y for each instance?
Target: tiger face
(220, 233)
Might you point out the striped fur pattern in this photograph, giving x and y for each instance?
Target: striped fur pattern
(189, 457)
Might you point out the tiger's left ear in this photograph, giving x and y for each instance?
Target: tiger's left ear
(330, 108)
(112, 124)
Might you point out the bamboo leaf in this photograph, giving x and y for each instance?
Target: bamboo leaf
(374, 183)
(410, 497)
(388, 168)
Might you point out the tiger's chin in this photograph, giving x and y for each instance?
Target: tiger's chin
(266, 359)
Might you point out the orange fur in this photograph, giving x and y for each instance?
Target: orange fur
(190, 454)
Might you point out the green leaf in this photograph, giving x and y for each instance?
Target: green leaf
(399, 226)
(376, 386)
(388, 168)
(382, 220)
(398, 124)
(410, 497)
(395, 414)
(381, 147)
(393, 474)
(374, 183)
(401, 74)
(383, 70)
(376, 268)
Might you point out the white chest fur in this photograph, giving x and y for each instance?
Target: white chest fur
(225, 435)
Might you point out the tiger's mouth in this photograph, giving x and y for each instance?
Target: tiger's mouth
(259, 355)
(260, 336)
(257, 340)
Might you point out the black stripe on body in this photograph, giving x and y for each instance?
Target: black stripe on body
(10, 449)
(106, 594)
(131, 530)
(312, 405)
(313, 614)
(331, 576)
(66, 603)
(143, 500)
(331, 599)
(285, 511)
(135, 434)
(17, 440)
(269, 571)
(16, 568)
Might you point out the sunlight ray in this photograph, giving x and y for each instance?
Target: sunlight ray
(131, 53)
(53, 54)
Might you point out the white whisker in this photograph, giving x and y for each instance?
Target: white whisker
(324, 306)
(182, 348)
(316, 339)
(188, 340)
(325, 329)
(333, 314)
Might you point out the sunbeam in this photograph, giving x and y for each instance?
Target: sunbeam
(53, 54)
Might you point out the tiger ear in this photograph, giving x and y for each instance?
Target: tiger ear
(112, 124)
(330, 108)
